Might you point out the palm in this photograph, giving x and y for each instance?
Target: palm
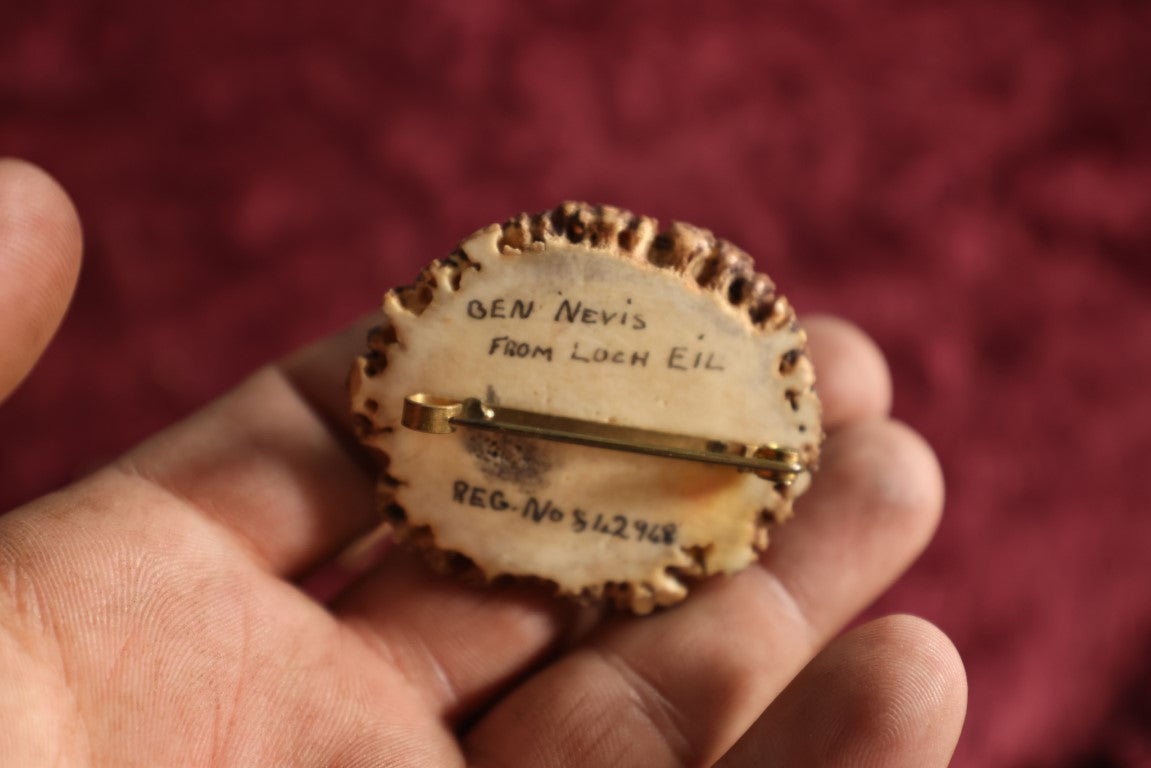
(148, 614)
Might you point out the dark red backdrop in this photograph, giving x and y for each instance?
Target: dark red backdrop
(970, 182)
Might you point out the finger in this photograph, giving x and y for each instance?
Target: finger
(40, 246)
(271, 461)
(680, 687)
(464, 645)
(892, 693)
(319, 372)
(460, 644)
(876, 504)
(851, 376)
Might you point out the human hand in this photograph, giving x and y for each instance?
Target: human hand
(148, 614)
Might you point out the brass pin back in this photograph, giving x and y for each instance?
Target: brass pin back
(439, 415)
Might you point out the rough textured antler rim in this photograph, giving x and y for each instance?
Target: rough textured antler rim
(692, 253)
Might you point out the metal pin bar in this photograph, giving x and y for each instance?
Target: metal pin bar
(438, 415)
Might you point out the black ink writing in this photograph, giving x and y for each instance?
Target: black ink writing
(538, 512)
(514, 348)
(656, 534)
(515, 309)
(683, 359)
(605, 355)
(621, 527)
(475, 496)
(546, 512)
(581, 313)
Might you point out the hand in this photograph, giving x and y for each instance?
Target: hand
(148, 614)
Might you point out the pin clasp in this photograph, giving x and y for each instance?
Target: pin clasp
(440, 415)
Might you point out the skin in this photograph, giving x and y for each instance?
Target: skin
(149, 614)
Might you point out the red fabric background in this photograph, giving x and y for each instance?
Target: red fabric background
(970, 182)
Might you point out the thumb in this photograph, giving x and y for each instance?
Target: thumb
(40, 246)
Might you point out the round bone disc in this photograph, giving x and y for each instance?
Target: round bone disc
(592, 314)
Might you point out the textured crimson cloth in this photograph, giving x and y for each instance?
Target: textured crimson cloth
(970, 182)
